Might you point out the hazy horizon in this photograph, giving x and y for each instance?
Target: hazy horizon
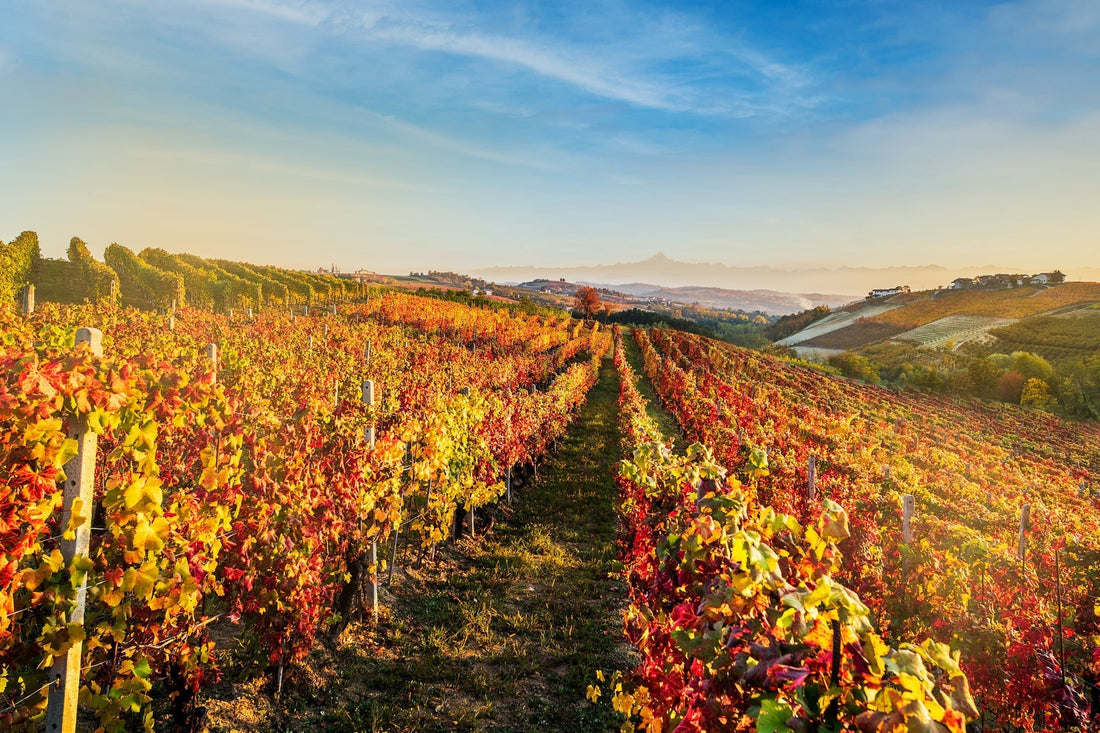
(466, 135)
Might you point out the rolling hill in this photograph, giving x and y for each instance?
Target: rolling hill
(939, 318)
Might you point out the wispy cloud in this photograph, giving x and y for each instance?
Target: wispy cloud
(1072, 23)
(626, 69)
(547, 61)
(306, 13)
(626, 66)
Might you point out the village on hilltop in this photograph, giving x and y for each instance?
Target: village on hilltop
(1000, 280)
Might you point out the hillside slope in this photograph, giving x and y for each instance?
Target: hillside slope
(937, 317)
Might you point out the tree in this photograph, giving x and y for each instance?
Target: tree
(856, 367)
(1032, 366)
(984, 376)
(587, 301)
(1036, 393)
(1010, 387)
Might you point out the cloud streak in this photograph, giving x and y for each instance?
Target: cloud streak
(544, 61)
(623, 69)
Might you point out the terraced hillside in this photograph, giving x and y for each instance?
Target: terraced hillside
(938, 318)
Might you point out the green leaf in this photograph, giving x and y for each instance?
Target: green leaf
(773, 717)
(142, 669)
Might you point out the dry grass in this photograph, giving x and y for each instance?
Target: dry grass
(501, 632)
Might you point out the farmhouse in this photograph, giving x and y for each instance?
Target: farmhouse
(962, 282)
(883, 292)
(1048, 278)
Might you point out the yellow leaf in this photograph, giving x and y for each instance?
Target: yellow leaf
(55, 561)
(153, 490)
(76, 519)
(145, 538)
(140, 580)
(912, 685)
(134, 493)
(112, 597)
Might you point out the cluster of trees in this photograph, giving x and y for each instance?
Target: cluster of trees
(650, 319)
(1019, 378)
(856, 367)
(522, 305)
(1071, 387)
(735, 327)
(791, 324)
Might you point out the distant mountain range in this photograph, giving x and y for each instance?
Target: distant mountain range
(849, 281)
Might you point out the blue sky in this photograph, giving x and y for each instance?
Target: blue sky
(416, 135)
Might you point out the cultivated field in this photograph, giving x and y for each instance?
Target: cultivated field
(955, 329)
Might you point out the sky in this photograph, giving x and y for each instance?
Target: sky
(416, 135)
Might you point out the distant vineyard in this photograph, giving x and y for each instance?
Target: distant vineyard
(156, 279)
(17, 260)
(861, 332)
(1012, 588)
(246, 473)
(1056, 338)
(1021, 302)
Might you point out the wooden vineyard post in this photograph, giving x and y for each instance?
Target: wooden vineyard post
(393, 554)
(306, 311)
(372, 586)
(368, 399)
(28, 300)
(906, 519)
(334, 309)
(907, 504)
(508, 470)
(1021, 545)
(1061, 638)
(366, 352)
(458, 521)
(468, 519)
(832, 712)
(811, 471)
(79, 478)
(249, 311)
(171, 323)
(212, 355)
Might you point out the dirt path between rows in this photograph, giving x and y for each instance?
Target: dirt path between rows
(504, 631)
